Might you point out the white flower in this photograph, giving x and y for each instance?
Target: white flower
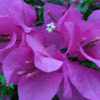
(50, 27)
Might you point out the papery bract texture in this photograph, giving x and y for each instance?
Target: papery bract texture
(43, 59)
(49, 10)
(43, 86)
(14, 62)
(85, 80)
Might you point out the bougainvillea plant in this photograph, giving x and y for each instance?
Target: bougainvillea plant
(49, 50)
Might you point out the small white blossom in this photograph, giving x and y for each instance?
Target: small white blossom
(50, 27)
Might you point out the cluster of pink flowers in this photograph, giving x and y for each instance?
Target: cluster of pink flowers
(31, 57)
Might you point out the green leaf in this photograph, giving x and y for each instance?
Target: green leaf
(55, 98)
(89, 11)
(67, 1)
(2, 79)
(4, 91)
(63, 50)
(89, 64)
(90, 1)
(82, 7)
(60, 2)
(11, 86)
(38, 23)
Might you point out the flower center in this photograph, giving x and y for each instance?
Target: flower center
(50, 27)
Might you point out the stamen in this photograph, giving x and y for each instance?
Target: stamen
(28, 62)
(91, 43)
(63, 12)
(4, 39)
(56, 30)
(20, 73)
(30, 75)
(90, 46)
(4, 35)
(83, 40)
(51, 16)
(94, 40)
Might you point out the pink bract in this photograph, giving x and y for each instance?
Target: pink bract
(19, 12)
(78, 37)
(16, 18)
(49, 82)
(50, 16)
(32, 58)
(85, 80)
